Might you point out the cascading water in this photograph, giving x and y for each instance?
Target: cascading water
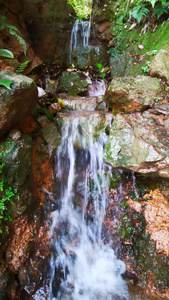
(82, 266)
(80, 34)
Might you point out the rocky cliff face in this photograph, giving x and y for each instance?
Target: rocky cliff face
(49, 25)
(45, 26)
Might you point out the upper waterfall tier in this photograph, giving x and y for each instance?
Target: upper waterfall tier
(80, 34)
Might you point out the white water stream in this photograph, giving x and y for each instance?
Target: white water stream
(82, 266)
(80, 34)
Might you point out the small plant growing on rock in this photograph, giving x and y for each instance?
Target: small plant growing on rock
(102, 73)
(22, 66)
(145, 68)
(7, 193)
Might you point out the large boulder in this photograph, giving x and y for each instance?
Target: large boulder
(129, 94)
(17, 102)
(140, 142)
(160, 65)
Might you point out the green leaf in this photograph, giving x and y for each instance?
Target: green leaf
(152, 52)
(61, 102)
(6, 83)
(99, 66)
(47, 113)
(119, 226)
(124, 204)
(123, 233)
(19, 38)
(6, 53)
(3, 21)
(12, 27)
(125, 217)
(129, 228)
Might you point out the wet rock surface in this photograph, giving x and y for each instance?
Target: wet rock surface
(138, 229)
(25, 248)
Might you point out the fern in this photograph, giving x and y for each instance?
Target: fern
(159, 10)
(22, 66)
(13, 31)
(138, 12)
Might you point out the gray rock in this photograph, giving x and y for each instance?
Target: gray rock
(160, 65)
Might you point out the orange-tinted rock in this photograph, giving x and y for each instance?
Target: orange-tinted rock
(157, 219)
(29, 125)
(129, 94)
(41, 170)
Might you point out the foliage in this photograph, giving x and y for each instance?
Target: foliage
(113, 52)
(102, 72)
(138, 12)
(6, 53)
(82, 8)
(22, 66)
(7, 193)
(159, 10)
(13, 30)
(47, 113)
(145, 69)
(6, 83)
(125, 228)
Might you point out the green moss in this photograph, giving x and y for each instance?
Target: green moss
(150, 40)
(127, 41)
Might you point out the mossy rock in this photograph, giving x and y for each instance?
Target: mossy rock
(73, 84)
(84, 57)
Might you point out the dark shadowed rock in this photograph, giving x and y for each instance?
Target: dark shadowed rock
(17, 102)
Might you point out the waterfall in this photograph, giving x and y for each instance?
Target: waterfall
(82, 266)
(80, 34)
